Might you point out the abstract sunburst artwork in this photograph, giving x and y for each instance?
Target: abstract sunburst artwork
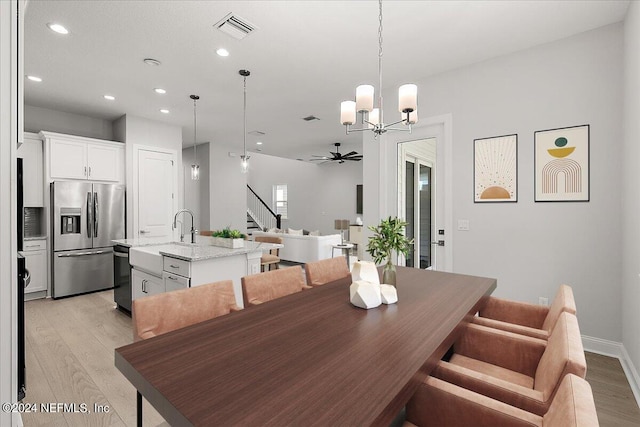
(496, 169)
(562, 164)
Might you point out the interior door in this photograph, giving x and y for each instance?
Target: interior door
(156, 205)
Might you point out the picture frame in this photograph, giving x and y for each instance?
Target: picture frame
(561, 164)
(495, 171)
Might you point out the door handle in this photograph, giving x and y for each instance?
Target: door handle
(95, 211)
(175, 279)
(77, 254)
(89, 171)
(121, 255)
(143, 231)
(85, 171)
(439, 243)
(27, 278)
(144, 286)
(89, 215)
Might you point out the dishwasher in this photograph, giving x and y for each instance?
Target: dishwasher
(122, 278)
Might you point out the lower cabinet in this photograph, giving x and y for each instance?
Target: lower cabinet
(173, 282)
(144, 284)
(36, 263)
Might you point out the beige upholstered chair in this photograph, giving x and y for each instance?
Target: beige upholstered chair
(438, 403)
(527, 319)
(263, 287)
(521, 371)
(158, 314)
(273, 257)
(326, 270)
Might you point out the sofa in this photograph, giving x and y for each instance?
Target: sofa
(304, 248)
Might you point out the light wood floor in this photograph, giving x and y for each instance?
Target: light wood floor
(70, 348)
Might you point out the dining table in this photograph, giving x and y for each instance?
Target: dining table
(309, 358)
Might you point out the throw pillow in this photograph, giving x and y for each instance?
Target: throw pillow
(294, 232)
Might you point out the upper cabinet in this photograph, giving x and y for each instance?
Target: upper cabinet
(73, 157)
(31, 153)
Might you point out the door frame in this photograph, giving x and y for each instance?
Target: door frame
(134, 191)
(441, 128)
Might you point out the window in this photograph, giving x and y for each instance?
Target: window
(280, 199)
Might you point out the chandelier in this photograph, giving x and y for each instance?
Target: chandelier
(195, 167)
(373, 117)
(244, 159)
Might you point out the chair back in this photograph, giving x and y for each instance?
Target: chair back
(563, 301)
(263, 287)
(326, 270)
(563, 355)
(572, 406)
(162, 313)
(270, 239)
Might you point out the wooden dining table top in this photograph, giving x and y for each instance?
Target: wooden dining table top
(310, 358)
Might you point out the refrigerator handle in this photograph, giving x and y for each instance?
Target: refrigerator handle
(95, 213)
(89, 215)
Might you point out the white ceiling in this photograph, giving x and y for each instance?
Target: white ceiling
(304, 59)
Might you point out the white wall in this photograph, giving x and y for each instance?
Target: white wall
(630, 188)
(38, 118)
(196, 193)
(227, 189)
(530, 247)
(139, 131)
(318, 194)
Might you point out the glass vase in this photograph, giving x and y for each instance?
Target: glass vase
(389, 274)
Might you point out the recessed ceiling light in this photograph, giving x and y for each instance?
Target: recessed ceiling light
(34, 79)
(151, 61)
(57, 28)
(222, 52)
(258, 143)
(109, 97)
(160, 90)
(164, 111)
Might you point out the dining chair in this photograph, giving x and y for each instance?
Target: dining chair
(273, 257)
(521, 371)
(438, 403)
(168, 311)
(326, 270)
(263, 287)
(527, 319)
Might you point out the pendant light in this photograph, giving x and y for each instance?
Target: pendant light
(244, 159)
(195, 168)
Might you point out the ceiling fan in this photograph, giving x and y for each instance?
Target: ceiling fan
(337, 156)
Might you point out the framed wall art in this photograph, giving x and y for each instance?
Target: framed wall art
(562, 164)
(496, 169)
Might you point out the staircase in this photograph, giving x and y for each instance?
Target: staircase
(259, 214)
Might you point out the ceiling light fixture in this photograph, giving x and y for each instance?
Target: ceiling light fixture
(222, 52)
(259, 143)
(57, 28)
(407, 101)
(160, 91)
(244, 159)
(195, 168)
(164, 111)
(34, 79)
(109, 97)
(151, 61)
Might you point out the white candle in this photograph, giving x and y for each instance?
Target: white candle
(347, 112)
(407, 98)
(364, 98)
(374, 117)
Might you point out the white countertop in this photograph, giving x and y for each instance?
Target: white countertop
(194, 252)
(143, 241)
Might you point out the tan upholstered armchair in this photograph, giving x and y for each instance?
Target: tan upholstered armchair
(521, 371)
(527, 319)
(162, 313)
(327, 270)
(263, 287)
(438, 403)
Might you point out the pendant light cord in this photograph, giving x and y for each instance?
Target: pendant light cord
(245, 118)
(380, 118)
(195, 129)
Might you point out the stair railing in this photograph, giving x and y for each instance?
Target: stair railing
(260, 212)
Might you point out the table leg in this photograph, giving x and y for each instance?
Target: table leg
(139, 409)
(347, 250)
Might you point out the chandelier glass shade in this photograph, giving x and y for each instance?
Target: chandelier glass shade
(371, 116)
(195, 167)
(244, 158)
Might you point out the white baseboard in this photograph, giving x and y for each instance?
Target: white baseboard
(617, 350)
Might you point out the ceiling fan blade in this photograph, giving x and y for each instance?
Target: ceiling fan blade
(349, 154)
(317, 155)
(324, 159)
(334, 154)
(355, 159)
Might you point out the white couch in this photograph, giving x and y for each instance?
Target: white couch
(304, 249)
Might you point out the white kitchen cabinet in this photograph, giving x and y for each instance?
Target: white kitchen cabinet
(36, 262)
(143, 284)
(74, 157)
(33, 185)
(173, 282)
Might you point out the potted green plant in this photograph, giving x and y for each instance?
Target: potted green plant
(388, 237)
(228, 238)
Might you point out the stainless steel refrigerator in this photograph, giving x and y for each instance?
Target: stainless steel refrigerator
(85, 217)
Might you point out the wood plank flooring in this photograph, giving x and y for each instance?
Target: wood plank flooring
(70, 346)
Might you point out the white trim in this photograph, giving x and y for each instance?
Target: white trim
(617, 350)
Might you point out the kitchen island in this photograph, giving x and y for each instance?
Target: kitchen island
(159, 266)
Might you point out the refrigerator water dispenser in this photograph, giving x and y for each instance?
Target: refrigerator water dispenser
(70, 220)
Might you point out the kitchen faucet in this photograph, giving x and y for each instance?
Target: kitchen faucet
(193, 230)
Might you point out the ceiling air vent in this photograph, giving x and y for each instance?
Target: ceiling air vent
(310, 118)
(236, 27)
